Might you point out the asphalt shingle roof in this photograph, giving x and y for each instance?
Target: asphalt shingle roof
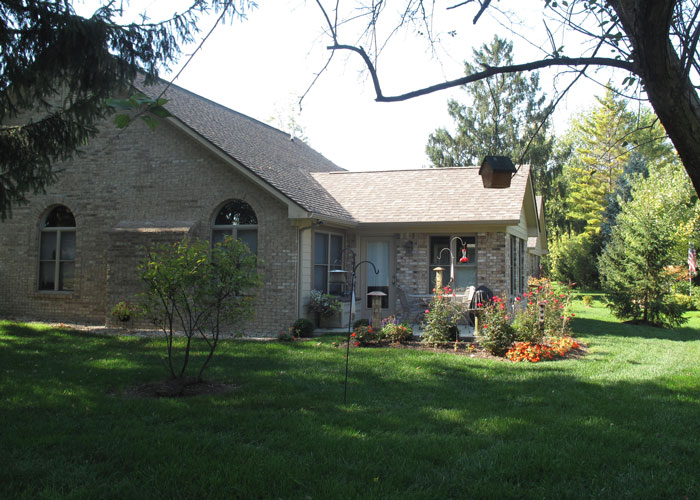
(287, 165)
(319, 186)
(426, 195)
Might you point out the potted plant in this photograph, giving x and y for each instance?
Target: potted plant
(123, 311)
(323, 305)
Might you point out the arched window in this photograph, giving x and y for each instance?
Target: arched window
(57, 251)
(236, 218)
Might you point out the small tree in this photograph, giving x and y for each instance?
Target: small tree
(196, 289)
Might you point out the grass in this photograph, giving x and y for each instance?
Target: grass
(622, 422)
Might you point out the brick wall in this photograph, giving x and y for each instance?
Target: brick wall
(412, 262)
(139, 178)
(493, 266)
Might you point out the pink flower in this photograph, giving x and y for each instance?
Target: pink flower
(517, 298)
(479, 304)
(427, 311)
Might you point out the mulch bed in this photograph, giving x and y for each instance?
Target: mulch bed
(470, 349)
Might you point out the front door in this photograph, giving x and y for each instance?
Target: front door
(380, 252)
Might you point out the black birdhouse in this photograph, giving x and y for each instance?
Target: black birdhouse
(497, 171)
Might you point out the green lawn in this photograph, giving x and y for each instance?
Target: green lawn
(622, 422)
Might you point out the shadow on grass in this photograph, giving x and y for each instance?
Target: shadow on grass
(417, 424)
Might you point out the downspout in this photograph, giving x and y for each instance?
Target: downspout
(317, 222)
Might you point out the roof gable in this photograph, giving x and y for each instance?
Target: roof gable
(282, 162)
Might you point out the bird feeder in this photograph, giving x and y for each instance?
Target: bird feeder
(497, 171)
(376, 307)
(438, 277)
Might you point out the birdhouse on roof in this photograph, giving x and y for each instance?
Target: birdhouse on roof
(497, 171)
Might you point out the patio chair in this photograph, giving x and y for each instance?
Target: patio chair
(411, 308)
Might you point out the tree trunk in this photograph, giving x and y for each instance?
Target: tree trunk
(670, 91)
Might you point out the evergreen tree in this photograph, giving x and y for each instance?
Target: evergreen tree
(652, 234)
(637, 166)
(501, 120)
(57, 70)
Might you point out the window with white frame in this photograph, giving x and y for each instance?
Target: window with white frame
(57, 251)
(236, 218)
(328, 249)
(517, 265)
(459, 246)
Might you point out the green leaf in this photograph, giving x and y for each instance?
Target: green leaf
(150, 121)
(122, 120)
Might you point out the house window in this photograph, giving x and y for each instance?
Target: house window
(57, 251)
(465, 273)
(236, 218)
(327, 257)
(517, 265)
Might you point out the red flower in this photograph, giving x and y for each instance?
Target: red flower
(357, 344)
(572, 315)
(479, 304)
(369, 329)
(517, 298)
(353, 334)
(427, 311)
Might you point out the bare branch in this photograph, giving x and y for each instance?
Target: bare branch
(488, 72)
(484, 6)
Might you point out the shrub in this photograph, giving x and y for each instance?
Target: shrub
(363, 335)
(303, 327)
(440, 321)
(289, 335)
(556, 312)
(572, 258)
(496, 334)
(396, 332)
(587, 300)
(360, 322)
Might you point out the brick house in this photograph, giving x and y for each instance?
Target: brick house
(71, 253)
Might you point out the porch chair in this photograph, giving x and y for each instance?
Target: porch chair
(467, 296)
(411, 308)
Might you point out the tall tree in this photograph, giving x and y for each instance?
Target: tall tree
(603, 140)
(655, 42)
(57, 69)
(501, 119)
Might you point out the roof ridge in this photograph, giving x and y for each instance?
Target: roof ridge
(168, 84)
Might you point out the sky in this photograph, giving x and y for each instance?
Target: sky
(261, 65)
